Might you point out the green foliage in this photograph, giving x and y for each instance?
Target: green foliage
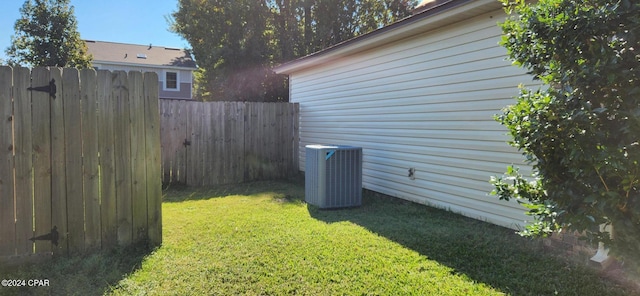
(581, 133)
(237, 42)
(47, 35)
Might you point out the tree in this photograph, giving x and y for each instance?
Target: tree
(47, 35)
(230, 44)
(582, 131)
(236, 43)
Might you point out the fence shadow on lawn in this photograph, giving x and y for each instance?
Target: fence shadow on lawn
(284, 190)
(87, 274)
(483, 252)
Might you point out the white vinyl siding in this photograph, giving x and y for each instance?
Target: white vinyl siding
(425, 102)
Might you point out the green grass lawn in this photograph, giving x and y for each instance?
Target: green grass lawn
(262, 239)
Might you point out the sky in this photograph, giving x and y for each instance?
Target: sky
(125, 21)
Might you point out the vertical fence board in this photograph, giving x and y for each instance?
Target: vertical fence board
(7, 218)
(152, 158)
(202, 144)
(221, 148)
(138, 167)
(198, 144)
(23, 160)
(73, 160)
(238, 110)
(90, 176)
(58, 173)
(184, 158)
(168, 143)
(227, 139)
(250, 145)
(106, 107)
(270, 138)
(194, 163)
(184, 132)
(41, 125)
(296, 137)
(208, 138)
(122, 152)
(286, 137)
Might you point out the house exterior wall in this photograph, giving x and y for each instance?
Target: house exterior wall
(185, 78)
(425, 102)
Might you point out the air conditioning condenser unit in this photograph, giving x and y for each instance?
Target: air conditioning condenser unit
(333, 176)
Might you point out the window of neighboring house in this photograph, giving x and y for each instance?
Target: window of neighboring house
(171, 80)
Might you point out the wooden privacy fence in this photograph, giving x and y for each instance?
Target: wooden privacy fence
(210, 143)
(80, 154)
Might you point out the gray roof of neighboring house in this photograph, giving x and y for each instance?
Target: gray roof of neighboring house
(133, 54)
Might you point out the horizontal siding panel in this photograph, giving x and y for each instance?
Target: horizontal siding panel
(425, 65)
(445, 39)
(490, 98)
(425, 106)
(424, 162)
(426, 142)
(460, 153)
(400, 107)
(398, 116)
(457, 178)
(426, 170)
(479, 125)
(426, 102)
(414, 132)
(422, 89)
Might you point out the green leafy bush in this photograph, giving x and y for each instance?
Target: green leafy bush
(581, 132)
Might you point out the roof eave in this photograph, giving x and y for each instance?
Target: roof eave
(424, 21)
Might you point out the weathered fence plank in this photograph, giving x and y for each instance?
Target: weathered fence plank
(296, 135)
(174, 132)
(23, 159)
(165, 127)
(153, 158)
(208, 139)
(73, 160)
(7, 219)
(138, 168)
(106, 142)
(58, 172)
(90, 174)
(122, 152)
(229, 142)
(234, 118)
(41, 110)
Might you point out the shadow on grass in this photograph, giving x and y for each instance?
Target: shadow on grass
(483, 252)
(288, 190)
(91, 274)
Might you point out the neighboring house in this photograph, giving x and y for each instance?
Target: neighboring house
(419, 96)
(174, 66)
